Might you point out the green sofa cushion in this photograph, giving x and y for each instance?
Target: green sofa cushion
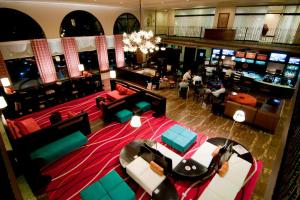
(110, 180)
(123, 115)
(143, 105)
(121, 191)
(94, 192)
(61, 147)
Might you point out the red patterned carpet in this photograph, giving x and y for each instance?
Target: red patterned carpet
(81, 168)
(87, 104)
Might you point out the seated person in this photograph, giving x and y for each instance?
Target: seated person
(188, 75)
(155, 80)
(215, 93)
(183, 88)
(197, 78)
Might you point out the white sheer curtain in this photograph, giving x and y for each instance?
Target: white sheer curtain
(288, 25)
(192, 22)
(248, 27)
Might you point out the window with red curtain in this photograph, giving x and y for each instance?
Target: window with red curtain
(44, 60)
(120, 60)
(102, 53)
(71, 56)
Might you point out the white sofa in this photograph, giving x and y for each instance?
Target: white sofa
(139, 170)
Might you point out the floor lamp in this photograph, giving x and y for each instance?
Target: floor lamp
(136, 123)
(239, 116)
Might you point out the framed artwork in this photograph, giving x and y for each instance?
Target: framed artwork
(223, 20)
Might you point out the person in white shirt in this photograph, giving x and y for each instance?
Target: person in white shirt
(197, 78)
(188, 75)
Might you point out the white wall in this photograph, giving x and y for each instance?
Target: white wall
(50, 15)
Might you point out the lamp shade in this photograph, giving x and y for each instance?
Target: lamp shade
(112, 74)
(5, 82)
(239, 116)
(135, 121)
(3, 103)
(81, 67)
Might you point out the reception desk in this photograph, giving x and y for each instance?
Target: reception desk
(219, 34)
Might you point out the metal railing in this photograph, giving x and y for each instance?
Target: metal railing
(272, 36)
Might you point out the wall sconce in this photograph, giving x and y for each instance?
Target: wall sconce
(113, 74)
(223, 57)
(233, 58)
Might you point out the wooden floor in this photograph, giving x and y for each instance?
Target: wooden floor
(262, 145)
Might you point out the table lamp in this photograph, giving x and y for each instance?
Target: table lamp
(112, 74)
(3, 105)
(81, 67)
(6, 84)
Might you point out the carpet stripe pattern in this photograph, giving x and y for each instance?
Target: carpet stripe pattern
(100, 155)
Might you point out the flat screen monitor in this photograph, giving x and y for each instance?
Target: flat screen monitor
(278, 57)
(262, 57)
(260, 62)
(238, 59)
(250, 55)
(228, 52)
(294, 61)
(240, 54)
(216, 51)
(249, 61)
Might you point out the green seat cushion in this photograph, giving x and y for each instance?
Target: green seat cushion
(177, 128)
(123, 115)
(189, 134)
(181, 143)
(168, 136)
(94, 192)
(143, 105)
(122, 191)
(110, 180)
(59, 148)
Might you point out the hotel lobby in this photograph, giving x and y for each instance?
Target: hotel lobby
(139, 99)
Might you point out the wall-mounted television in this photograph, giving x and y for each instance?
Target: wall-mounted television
(228, 52)
(260, 62)
(262, 57)
(240, 54)
(250, 55)
(249, 61)
(216, 51)
(294, 60)
(278, 57)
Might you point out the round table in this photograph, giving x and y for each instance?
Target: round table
(243, 98)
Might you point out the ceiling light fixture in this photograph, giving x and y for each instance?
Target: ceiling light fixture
(142, 40)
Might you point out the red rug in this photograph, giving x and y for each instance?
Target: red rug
(81, 168)
(87, 104)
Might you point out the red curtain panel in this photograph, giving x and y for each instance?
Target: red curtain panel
(44, 60)
(3, 69)
(120, 60)
(71, 56)
(102, 53)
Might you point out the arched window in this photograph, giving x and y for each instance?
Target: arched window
(80, 23)
(126, 23)
(16, 25)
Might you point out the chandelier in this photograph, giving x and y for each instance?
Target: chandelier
(142, 40)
